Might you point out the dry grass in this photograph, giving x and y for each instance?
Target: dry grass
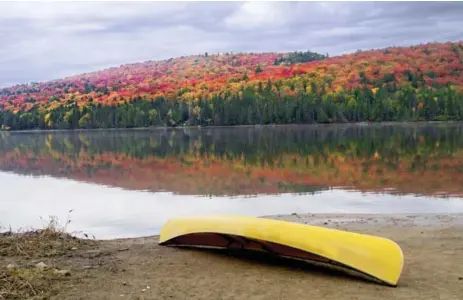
(28, 281)
(52, 240)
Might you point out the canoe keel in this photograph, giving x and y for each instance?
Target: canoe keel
(343, 250)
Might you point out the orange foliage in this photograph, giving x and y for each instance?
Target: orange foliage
(199, 75)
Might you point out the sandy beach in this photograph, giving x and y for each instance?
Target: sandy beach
(140, 269)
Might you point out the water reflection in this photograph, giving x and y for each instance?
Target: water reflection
(116, 213)
(416, 159)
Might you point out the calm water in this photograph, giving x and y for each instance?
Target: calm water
(127, 183)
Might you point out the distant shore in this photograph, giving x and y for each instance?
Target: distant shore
(386, 123)
(138, 268)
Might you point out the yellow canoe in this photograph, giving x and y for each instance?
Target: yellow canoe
(376, 257)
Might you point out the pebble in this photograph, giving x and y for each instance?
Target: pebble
(63, 272)
(11, 266)
(41, 265)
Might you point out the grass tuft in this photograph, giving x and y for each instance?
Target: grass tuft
(27, 283)
(52, 240)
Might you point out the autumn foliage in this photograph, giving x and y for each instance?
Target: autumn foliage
(231, 76)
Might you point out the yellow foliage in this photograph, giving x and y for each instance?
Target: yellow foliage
(339, 89)
(48, 120)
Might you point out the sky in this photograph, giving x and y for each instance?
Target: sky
(51, 40)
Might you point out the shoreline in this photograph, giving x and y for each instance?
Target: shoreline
(359, 220)
(346, 221)
(353, 221)
(61, 267)
(188, 127)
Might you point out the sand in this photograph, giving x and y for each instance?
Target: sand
(140, 269)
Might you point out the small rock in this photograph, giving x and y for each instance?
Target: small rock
(74, 248)
(63, 272)
(11, 266)
(88, 267)
(121, 295)
(147, 287)
(124, 283)
(460, 278)
(52, 252)
(41, 265)
(143, 290)
(326, 223)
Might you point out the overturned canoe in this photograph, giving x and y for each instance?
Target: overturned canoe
(376, 257)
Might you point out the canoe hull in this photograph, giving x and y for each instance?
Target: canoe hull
(377, 257)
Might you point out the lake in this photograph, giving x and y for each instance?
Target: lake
(127, 183)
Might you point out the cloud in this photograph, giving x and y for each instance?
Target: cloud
(257, 15)
(50, 40)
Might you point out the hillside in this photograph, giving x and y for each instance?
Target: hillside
(422, 82)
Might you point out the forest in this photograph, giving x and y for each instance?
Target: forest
(416, 83)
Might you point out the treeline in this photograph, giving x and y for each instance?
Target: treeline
(262, 104)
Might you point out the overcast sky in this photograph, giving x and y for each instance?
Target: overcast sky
(50, 40)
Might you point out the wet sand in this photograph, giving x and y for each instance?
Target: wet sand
(140, 269)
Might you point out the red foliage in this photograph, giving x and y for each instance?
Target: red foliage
(201, 75)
